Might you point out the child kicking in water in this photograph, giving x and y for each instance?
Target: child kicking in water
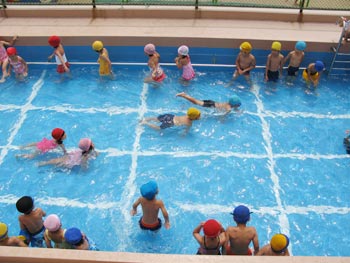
(157, 73)
(46, 145)
(295, 58)
(77, 157)
(150, 208)
(59, 54)
(183, 62)
(103, 59)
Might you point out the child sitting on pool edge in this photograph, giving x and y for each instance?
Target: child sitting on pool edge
(150, 208)
(278, 246)
(5, 240)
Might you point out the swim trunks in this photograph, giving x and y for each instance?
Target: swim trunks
(34, 239)
(46, 145)
(228, 252)
(152, 227)
(273, 75)
(209, 103)
(167, 120)
(246, 72)
(60, 68)
(292, 71)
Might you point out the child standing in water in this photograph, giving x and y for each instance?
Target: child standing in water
(274, 64)
(16, 63)
(312, 74)
(59, 54)
(150, 208)
(295, 58)
(157, 73)
(183, 62)
(103, 59)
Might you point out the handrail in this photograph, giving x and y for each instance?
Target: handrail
(336, 50)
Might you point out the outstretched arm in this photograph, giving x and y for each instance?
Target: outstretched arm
(165, 215)
(134, 207)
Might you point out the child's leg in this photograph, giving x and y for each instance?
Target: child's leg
(189, 98)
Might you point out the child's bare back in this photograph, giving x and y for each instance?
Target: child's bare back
(240, 238)
(33, 222)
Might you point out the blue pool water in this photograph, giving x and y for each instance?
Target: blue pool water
(282, 156)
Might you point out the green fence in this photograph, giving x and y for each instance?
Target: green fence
(343, 5)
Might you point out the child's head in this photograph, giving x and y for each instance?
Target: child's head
(300, 46)
(58, 134)
(149, 190)
(276, 47)
(3, 231)
(25, 205)
(340, 21)
(246, 47)
(54, 41)
(319, 66)
(86, 145)
(193, 114)
(279, 243)
(183, 50)
(73, 236)
(212, 228)
(241, 214)
(150, 49)
(52, 223)
(235, 102)
(97, 46)
(11, 51)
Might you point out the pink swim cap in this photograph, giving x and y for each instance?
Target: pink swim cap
(85, 144)
(52, 223)
(183, 50)
(150, 49)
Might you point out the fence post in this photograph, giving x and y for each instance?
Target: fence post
(3, 4)
(93, 3)
(301, 6)
(196, 5)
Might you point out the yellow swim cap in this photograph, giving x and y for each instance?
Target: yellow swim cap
(279, 243)
(193, 113)
(97, 46)
(276, 46)
(246, 46)
(3, 231)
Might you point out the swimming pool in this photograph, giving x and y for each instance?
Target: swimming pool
(282, 156)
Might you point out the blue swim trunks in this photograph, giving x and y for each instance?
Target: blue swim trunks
(36, 239)
(167, 120)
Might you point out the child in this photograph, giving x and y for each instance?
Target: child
(5, 240)
(157, 73)
(59, 54)
(295, 58)
(313, 73)
(183, 61)
(46, 145)
(239, 237)
(344, 22)
(18, 64)
(170, 120)
(103, 59)
(274, 64)
(79, 240)
(346, 142)
(245, 62)
(31, 222)
(4, 56)
(213, 241)
(150, 208)
(233, 103)
(75, 158)
(278, 246)
(55, 233)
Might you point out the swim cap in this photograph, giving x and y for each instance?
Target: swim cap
(246, 46)
(84, 144)
(241, 214)
(300, 45)
(319, 66)
(149, 190)
(11, 51)
(150, 49)
(54, 41)
(52, 223)
(25, 204)
(276, 46)
(73, 236)
(279, 243)
(211, 228)
(57, 134)
(193, 113)
(183, 50)
(234, 101)
(97, 46)
(3, 231)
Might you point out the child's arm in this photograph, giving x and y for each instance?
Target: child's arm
(177, 62)
(109, 63)
(256, 242)
(267, 67)
(24, 63)
(47, 240)
(286, 58)
(281, 64)
(63, 148)
(134, 207)
(165, 215)
(196, 232)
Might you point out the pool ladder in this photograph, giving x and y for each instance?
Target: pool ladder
(340, 61)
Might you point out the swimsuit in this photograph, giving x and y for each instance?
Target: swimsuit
(209, 251)
(246, 72)
(314, 75)
(152, 227)
(3, 54)
(209, 103)
(18, 66)
(35, 239)
(292, 70)
(167, 120)
(63, 243)
(72, 159)
(60, 68)
(46, 145)
(228, 252)
(187, 71)
(273, 75)
(104, 67)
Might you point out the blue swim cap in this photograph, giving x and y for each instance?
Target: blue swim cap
(319, 66)
(241, 214)
(149, 190)
(234, 101)
(73, 235)
(300, 45)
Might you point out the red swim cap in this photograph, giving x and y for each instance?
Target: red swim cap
(57, 134)
(11, 51)
(54, 41)
(212, 228)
